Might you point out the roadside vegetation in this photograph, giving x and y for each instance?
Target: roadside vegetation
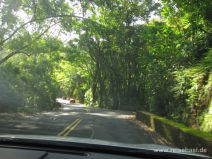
(154, 56)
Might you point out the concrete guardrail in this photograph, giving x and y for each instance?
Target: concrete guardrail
(176, 133)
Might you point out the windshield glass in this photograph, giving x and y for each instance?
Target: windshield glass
(132, 72)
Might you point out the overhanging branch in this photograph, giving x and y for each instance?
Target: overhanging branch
(34, 20)
(21, 50)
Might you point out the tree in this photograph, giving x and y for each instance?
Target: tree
(42, 16)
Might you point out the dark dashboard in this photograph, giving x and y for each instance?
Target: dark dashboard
(12, 153)
(20, 147)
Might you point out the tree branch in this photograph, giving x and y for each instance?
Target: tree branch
(24, 47)
(34, 20)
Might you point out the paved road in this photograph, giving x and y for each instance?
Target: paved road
(76, 120)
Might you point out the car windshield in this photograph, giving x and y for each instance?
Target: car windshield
(133, 72)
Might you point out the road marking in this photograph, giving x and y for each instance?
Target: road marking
(73, 127)
(67, 128)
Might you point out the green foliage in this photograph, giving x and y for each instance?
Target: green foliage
(10, 98)
(72, 73)
(193, 91)
(31, 79)
(206, 119)
(88, 98)
(34, 84)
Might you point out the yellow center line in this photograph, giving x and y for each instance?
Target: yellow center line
(67, 128)
(72, 128)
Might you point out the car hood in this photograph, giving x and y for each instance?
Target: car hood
(92, 142)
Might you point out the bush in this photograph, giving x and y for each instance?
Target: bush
(193, 93)
(9, 101)
(88, 99)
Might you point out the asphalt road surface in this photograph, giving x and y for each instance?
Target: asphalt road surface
(76, 120)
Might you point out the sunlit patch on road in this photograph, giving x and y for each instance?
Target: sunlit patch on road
(55, 114)
(79, 105)
(118, 116)
(26, 125)
(66, 108)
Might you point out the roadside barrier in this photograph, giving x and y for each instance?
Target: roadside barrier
(178, 134)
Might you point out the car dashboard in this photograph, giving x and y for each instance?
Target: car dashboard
(16, 153)
(20, 147)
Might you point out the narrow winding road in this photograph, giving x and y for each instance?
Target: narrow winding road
(76, 120)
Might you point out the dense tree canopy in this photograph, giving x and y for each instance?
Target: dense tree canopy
(135, 55)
